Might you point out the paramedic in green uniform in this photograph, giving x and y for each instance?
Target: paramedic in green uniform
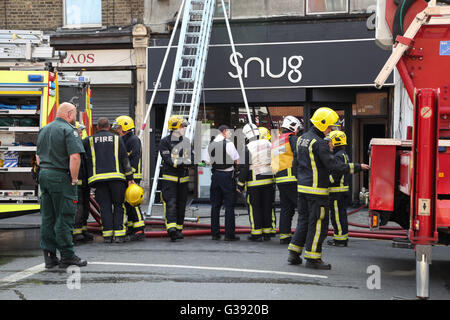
(58, 156)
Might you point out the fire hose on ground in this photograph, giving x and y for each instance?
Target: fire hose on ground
(204, 229)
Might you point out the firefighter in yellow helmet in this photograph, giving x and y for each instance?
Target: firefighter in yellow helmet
(264, 134)
(315, 161)
(176, 154)
(80, 231)
(124, 126)
(339, 189)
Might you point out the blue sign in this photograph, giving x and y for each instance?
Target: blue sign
(445, 48)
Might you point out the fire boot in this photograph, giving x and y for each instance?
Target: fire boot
(317, 264)
(179, 235)
(51, 260)
(337, 243)
(88, 236)
(173, 234)
(74, 261)
(255, 238)
(294, 258)
(121, 239)
(138, 235)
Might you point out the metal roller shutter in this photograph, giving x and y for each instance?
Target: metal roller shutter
(111, 102)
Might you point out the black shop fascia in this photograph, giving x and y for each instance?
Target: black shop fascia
(288, 68)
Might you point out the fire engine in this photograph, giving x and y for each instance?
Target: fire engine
(30, 89)
(410, 179)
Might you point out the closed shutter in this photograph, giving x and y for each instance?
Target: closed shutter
(111, 102)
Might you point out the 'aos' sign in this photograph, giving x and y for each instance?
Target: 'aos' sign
(99, 58)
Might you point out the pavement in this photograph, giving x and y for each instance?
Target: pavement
(200, 269)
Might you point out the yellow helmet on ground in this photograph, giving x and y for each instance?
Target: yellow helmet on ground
(134, 195)
(264, 133)
(176, 121)
(125, 122)
(323, 118)
(338, 138)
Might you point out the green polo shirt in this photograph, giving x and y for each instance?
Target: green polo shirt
(56, 142)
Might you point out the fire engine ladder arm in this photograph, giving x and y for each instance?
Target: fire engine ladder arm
(427, 16)
(189, 70)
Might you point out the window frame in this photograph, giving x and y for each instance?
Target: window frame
(228, 12)
(82, 25)
(325, 12)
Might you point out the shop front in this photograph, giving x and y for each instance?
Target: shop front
(287, 69)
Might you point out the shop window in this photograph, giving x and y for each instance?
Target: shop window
(326, 6)
(218, 14)
(82, 13)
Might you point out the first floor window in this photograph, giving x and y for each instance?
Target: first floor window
(82, 13)
(326, 6)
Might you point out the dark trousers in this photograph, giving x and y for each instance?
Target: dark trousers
(134, 216)
(110, 196)
(338, 216)
(312, 227)
(174, 197)
(58, 207)
(223, 192)
(288, 203)
(82, 214)
(260, 209)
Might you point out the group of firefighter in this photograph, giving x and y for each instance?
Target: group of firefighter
(311, 170)
(111, 166)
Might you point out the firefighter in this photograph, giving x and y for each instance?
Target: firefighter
(264, 133)
(176, 154)
(339, 187)
(284, 168)
(80, 231)
(223, 157)
(109, 172)
(124, 126)
(256, 177)
(315, 161)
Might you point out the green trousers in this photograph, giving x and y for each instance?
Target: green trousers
(58, 208)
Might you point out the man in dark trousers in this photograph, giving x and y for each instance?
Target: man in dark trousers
(124, 126)
(176, 154)
(109, 173)
(339, 189)
(58, 155)
(223, 157)
(315, 161)
(80, 231)
(284, 168)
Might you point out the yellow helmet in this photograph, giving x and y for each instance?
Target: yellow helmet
(338, 138)
(264, 133)
(323, 118)
(134, 195)
(125, 122)
(80, 126)
(176, 121)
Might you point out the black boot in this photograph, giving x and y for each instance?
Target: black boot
(138, 235)
(88, 236)
(173, 234)
(74, 261)
(294, 258)
(337, 243)
(255, 238)
(286, 240)
(179, 235)
(317, 264)
(51, 260)
(267, 237)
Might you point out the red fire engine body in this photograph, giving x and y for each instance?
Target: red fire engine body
(410, 179)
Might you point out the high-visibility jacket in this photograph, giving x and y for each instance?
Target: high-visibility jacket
(134, 150)
(315, 161)
(255, 170)
(176, 154)
(107, 158)
(283, 160)
(340, 182)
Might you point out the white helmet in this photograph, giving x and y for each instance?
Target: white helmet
(250, 130)
(292, 123)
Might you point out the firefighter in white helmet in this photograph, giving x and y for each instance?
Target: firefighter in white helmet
(256, 177)
(284, 168)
